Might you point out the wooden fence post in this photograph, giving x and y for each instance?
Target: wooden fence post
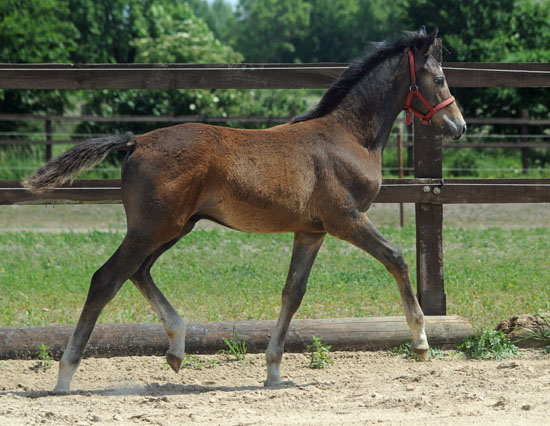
(524, 130)
(410, 150)
(400, 171)
(429, 219)
(48, 128)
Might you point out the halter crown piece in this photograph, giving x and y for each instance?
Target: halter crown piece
(415, 91)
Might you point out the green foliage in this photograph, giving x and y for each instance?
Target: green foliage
(177, 35)
(268, 29)
(236, 347)
(490, 31)
(44, 358)
(488, 344)
(34, 31)
(339, 30)
(320, 354)
(461, 162)
(405, 350)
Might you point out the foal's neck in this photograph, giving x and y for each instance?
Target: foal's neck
(372, 106)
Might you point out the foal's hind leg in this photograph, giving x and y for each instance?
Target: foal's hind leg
(306, 247)
(361, 232)
(104, 285)
(172, 322)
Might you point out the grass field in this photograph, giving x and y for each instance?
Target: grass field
(490, 275)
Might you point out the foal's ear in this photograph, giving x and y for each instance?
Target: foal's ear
(432, 36)
(422, 31)
(429, 41)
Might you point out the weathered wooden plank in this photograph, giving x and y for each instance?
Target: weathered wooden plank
(168, 76)
(80, 191)
(465, 191)
(454, 191)
(447, 145)
(507, 121)
(108, 340)
(216, 119)
(497, 74)
(144, 118)
(244, 76)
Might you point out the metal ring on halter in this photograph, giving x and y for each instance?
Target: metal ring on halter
(413, 88)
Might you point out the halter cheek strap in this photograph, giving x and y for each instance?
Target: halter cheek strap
(415, 91)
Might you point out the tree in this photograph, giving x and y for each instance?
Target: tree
(339, 30)
(330, 37)
(492, 31)
(175, 34)
(269, 29)
(106, 29)
(34, 31)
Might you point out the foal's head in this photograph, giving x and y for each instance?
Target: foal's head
(429, 96)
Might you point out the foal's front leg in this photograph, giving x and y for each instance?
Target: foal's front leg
(305, 249)
(360, 231)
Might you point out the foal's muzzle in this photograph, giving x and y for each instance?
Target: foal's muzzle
(453, 126)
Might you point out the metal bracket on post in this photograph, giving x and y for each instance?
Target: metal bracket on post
(429, 218)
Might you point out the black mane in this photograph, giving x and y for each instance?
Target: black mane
(357, 70)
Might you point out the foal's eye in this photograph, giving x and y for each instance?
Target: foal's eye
(439, 81)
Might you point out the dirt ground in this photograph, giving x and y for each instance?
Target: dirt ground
(360, 388)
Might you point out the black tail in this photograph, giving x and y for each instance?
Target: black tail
(69, 164)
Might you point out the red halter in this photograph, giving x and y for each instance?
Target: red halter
(415, 91)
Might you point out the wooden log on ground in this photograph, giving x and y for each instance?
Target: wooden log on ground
(109, 340)
(527, 330)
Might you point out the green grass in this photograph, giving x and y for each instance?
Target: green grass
(217, 275)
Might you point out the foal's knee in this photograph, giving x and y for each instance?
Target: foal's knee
(294, 293)
(102, 287)
(395, 262)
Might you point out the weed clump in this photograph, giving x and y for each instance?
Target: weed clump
(235, 346)
(320, 354)
(44, 358)
(489, 344)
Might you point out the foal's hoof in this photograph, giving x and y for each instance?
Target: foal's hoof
(174, 361)
(272, 383)
(60, 391)
(423, 354)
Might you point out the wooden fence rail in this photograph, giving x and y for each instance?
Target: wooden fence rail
(427, 190)
(245, 76)
(417, 190)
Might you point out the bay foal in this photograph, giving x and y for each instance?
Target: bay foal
(316, 175)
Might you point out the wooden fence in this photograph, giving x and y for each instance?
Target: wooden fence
(427, 190)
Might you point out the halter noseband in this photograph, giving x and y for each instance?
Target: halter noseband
(415, 91)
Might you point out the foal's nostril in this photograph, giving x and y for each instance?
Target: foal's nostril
(464, 128)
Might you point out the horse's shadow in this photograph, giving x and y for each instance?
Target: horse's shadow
(155, 390)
